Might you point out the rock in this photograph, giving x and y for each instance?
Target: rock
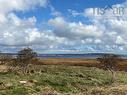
(23, 82)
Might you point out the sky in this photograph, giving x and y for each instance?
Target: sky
(64, 26)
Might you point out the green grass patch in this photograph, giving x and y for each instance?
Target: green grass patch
(64, 79)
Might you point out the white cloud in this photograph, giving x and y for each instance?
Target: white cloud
(113, 27)
(72, 30)
(17, 31)
(54, 12)
(20, 5)
(74, 13)
(100, 35)
(120, 40)
(104, 30)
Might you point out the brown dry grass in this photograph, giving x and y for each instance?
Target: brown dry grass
(3, 68)
(74, 62)
(117, 90)
(80, 62)
(68, 61)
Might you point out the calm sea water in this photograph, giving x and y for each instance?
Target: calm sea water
(87, 56)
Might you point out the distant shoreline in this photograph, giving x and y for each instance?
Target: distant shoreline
(86, 56)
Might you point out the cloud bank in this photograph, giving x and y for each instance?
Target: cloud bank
(100, 35)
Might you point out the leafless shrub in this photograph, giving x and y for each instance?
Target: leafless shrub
(109, 62)
(5, 58)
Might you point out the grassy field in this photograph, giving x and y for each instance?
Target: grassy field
(62, 80)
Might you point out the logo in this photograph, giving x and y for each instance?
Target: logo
(109, 11)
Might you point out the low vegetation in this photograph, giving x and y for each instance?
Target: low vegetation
(61, 79)
(25, 74)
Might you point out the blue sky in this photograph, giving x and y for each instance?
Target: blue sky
(44, 14)
(63, 26)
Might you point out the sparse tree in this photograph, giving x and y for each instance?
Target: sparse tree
(109, 61)
(26, 56)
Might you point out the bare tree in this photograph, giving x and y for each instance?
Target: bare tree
(109, 61)
(26, 56)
